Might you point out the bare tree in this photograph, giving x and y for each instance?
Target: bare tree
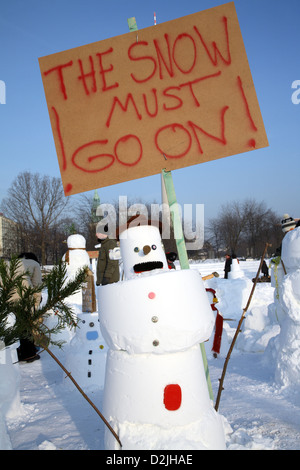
(245, 227)
(35, 203)
(231, 223)
(257, 221)
(215, 238)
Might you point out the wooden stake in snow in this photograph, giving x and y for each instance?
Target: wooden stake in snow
(84, 395)
(239, 329)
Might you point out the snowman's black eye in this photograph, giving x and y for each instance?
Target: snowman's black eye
(153, 247)
(136, 250)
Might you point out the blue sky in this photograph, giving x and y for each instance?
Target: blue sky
(270, 29)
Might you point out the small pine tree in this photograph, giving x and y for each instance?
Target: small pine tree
(21, 318)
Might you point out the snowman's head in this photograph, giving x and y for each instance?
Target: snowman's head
(76, 241)
(142, 250)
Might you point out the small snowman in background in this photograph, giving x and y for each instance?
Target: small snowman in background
(235, 270)
(86, 352)
(76, 258)
(155, 392)
(85, 356)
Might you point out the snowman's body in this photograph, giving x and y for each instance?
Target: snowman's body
(287, 367)
(155, 393)
(85, 356)
(76, 258)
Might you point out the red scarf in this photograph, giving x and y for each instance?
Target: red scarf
(218, 325)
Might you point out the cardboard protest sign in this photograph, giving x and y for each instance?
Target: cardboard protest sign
(165, 97)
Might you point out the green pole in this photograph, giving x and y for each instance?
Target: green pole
(176, 219)
(181, 248)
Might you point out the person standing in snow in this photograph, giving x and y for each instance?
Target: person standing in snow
(30, 265)
(171, 257)
(227, 267)
(107, 268)
(265, 269)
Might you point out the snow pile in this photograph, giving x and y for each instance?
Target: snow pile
(272, 322)
(260, 325)
(46, 445)
(10, 404)
(192, 437)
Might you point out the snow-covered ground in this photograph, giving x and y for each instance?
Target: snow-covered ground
(260, 413)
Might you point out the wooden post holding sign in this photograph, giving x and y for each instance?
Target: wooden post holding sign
(181, 91)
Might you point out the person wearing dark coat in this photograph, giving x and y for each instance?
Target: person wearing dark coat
(265, 269)
(107, 268)
(227, 267)
(171, 257)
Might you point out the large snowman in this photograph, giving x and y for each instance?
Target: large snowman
(155, 392)
(287, 343)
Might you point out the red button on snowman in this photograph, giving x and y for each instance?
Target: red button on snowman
(155, 392)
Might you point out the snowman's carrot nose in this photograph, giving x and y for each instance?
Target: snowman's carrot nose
(146, 249)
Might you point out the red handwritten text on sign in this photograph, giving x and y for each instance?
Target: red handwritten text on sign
(168, 96)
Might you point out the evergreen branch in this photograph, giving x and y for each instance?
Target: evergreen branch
(28, 317)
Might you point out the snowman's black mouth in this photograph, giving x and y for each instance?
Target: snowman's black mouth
(147, 266)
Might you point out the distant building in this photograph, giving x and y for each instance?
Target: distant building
(96, 202)
(7, 237)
